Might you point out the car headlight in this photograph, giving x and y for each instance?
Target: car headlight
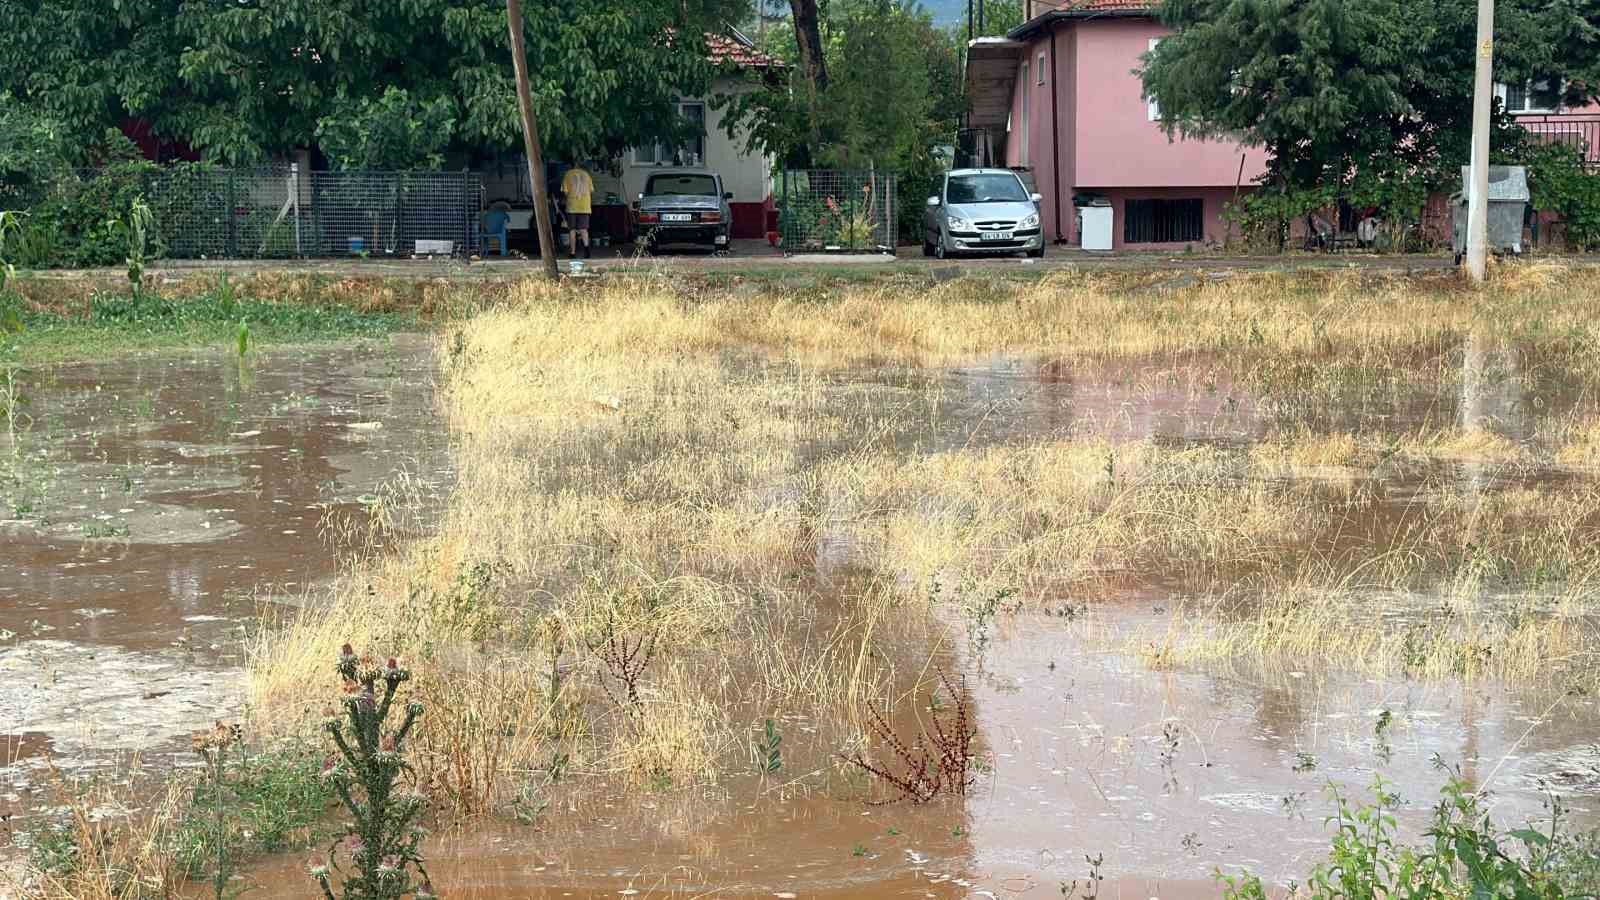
(1030, 222)
(957, 223)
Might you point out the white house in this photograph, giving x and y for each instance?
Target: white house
(748, 176)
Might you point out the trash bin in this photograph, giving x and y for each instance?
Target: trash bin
(1508, 202)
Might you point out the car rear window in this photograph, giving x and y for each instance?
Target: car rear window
(681, 186)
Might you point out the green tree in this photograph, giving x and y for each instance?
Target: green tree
(893, 97)
(1356, 98)
(392, 132)
(893, 91)
(999, 17)
(245, 81)
(33, 152)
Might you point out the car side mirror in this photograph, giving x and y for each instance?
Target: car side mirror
(933, 201)
(727, 195)
(1037, 198)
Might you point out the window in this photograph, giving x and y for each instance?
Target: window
(691, 153)
(984, 189)
(1152, 112)
(1038, 77)
(1022, 148)
(1162, 221)
(1530, 97)
(687, 185)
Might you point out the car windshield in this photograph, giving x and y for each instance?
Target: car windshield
(984, 189)
(681, 186)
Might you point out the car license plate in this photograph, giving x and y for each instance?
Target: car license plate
(677, 217)
(997, 235)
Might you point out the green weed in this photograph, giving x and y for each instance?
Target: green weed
(270, 802)
(1463, 855)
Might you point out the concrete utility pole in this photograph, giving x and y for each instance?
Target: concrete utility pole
(1478, 191)
(530, 140)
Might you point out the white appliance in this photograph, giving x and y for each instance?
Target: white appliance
(1096, 231)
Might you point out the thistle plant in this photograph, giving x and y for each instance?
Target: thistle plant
(212, 747)
(377, 856)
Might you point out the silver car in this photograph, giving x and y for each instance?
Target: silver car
(684, 206)
(982, 211)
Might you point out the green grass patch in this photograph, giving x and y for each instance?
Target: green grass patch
(117, 323)
(268, 802)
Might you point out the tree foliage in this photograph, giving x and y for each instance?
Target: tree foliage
(893, 92)
(242, 82)
(893, 96)
(1368, 98)
(392, 132)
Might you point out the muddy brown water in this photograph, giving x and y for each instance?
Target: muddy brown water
(153, 503)
(176, 496)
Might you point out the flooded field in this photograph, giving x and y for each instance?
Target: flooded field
(153, 505)
(686, 592)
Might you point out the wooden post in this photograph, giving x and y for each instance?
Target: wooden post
(530, 140)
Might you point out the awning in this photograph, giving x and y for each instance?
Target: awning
(991, 79)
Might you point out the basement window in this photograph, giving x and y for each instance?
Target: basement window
(1163, 221)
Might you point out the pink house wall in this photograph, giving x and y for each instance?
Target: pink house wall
(1042, 144)
(1117, 144)
(1105, 141)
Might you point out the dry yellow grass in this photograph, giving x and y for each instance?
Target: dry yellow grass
(705, 471)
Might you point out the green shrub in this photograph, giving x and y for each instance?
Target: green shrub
(1464, 856)
(1559, 182)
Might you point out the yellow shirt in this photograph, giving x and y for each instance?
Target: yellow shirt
(578, 187)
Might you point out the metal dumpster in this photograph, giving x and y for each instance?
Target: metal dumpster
(1508, 205)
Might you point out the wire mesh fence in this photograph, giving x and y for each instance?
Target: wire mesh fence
(203, 212)
(836, 211)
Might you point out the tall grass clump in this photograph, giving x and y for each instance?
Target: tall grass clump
(680, 509)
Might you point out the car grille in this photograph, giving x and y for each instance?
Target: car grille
(996, 225)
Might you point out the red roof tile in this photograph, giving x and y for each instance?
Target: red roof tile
(1095, 5)
(724, 49)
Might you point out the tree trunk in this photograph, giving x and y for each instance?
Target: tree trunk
(530, 140)
(808, 37)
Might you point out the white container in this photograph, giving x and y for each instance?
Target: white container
(1097, 225)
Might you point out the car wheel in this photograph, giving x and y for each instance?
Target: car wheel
(938, 248)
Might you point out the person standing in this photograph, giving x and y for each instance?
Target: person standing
(577, 186)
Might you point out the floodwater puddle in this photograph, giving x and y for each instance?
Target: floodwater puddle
(155, 501)
(148, 504)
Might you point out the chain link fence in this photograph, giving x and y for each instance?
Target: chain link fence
(829, 211)
(203, 212)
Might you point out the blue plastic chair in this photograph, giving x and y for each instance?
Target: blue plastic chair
(495, 225)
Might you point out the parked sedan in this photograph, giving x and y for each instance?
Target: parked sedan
(982, 211)
(685, 206)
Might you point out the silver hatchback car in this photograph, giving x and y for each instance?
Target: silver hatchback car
(982, 211)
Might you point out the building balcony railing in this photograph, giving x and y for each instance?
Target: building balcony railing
(1580, 130)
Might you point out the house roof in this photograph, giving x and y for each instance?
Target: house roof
(738, 50)
(1084, 9)
(991, 71)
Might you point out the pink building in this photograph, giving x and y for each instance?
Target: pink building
(1059, 96)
